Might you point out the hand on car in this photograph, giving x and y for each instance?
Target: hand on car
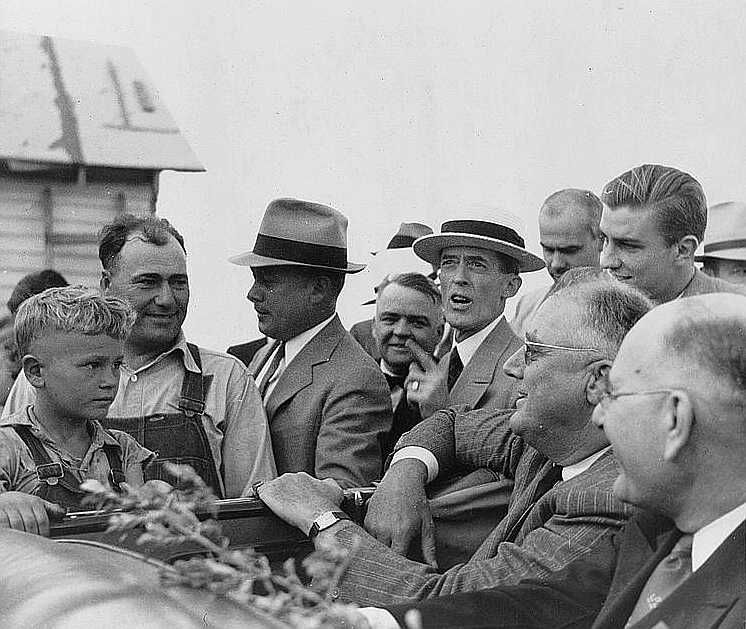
(299, 498)
(427, 382)
(398, 511)
(28, 513)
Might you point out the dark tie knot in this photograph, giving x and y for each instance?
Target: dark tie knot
(395, 381)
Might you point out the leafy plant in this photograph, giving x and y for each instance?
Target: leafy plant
(169, 516)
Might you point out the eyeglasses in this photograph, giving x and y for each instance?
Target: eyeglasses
(529, 353)
(607, 395)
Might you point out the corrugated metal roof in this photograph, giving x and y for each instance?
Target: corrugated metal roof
(72, 102)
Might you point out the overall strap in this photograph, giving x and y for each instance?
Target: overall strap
(192, 400)
(114, 457)
(47, 471)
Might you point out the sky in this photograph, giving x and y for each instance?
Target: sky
(413, 110)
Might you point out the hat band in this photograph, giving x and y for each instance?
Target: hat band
(302, 252)
(486, 229)
(726, 244)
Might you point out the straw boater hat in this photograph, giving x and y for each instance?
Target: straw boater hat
(726, 232)
(300, 233)
(497, 230)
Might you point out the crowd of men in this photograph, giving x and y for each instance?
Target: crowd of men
(581, 465)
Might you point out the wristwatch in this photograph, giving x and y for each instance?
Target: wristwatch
(325, 520)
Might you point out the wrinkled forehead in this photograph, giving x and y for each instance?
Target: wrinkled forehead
(471, 252)
(557, 321)
(406, 301)
(140, 256)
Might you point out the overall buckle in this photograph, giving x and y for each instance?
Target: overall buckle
(50, 473)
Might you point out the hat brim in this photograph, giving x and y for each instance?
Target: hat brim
(252, 259)
(738, 254)
(429, 247)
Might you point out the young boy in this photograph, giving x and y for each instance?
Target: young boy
(70, 340)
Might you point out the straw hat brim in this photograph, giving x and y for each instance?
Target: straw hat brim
(252, 259)
(738, 253)
(429, 247)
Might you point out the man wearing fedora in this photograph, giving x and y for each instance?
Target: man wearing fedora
(724, 251)
(327, 403)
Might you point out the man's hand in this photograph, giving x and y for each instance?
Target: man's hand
(299, 498)
(29, 513)
(398, 511)
(427, 382)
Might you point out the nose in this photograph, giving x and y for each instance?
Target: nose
(165, 295)
(254, 294)
(557, 263)
(460, 273)
(401, 328)
(515, 365)
(609, 257)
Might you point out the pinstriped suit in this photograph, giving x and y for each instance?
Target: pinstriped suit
(536, 538)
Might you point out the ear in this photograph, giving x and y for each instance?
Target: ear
(686, 247)
(319, 288)
(511, 288)
(105, 281)
(32, 371)
(678, 423)
(595, 387)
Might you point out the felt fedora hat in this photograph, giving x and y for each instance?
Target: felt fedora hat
(726, 232)
(300, 233)
(496, 230)
(406, 235)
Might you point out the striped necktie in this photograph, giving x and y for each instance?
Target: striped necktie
(271, 370)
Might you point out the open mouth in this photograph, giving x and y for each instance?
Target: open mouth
(459, 302)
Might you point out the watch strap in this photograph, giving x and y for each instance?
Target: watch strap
(325, 520)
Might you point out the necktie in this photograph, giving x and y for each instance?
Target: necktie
(394, 381)
(455, 367)
(666, 577)
(271, 370)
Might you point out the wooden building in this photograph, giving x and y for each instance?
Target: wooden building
(83, 137)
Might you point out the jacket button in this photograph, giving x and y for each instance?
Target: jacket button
(335, 593)
(133, 377)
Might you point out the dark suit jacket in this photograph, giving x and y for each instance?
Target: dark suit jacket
(538, 536)
(703, 284)
(482, 383)
(601, 589)
(328, 410)
(245, 351)
(362, 332)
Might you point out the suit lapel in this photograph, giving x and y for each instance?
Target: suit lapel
(299, 373)
(261, 357)
(480, 370)
(706, 596)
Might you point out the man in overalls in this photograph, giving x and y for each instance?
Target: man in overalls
(71, 343)
(188, 404)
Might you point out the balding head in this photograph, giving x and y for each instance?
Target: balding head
(569, 230)
(675, 416)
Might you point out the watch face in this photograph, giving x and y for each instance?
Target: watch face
(325, 520)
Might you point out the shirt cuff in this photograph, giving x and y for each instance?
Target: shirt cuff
(378, 618)
(421, 454)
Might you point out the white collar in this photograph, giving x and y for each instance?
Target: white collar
(707, 540)
(297, 343)
(468, 347)
(571, 471)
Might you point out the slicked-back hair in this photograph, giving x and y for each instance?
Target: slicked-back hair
(113, 235)
(559, 202)
(676, 198)
(416, 281)
(71, 309)
(610, 307)
(716, 342)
